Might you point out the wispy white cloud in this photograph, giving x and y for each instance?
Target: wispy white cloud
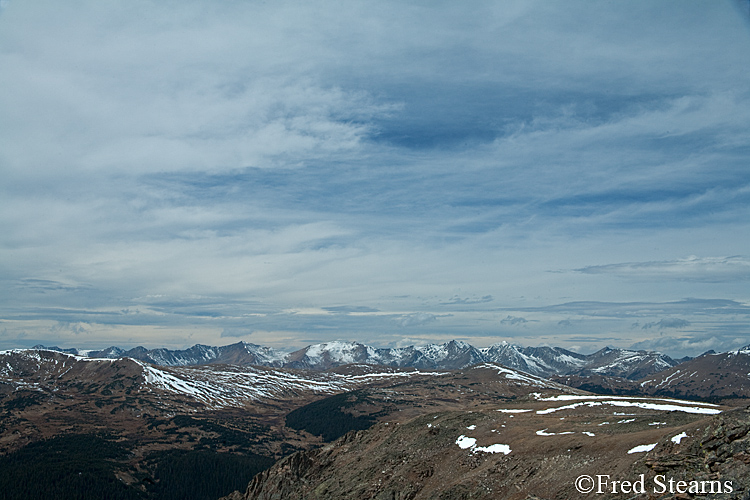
(646, 309)
(665, 323)
(415, 319)
(513, 320)
(700, 269)
(688, 346)
(456, 300)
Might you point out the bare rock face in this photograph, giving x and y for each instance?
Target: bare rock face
(537, 454)
(284, 483)
(719, 457)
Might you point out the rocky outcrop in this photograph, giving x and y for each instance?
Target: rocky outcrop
(717, 464)
(423, 459)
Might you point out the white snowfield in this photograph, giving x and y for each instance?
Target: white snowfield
(493, 448)
(637, 404)
(520, 377)
(627, 358)
(35, 355)
(345, 352)
(643, 448)
(464, 442)
(45, 367)
(221, 388)
(544, 432)
(216, 386)
(659, 404)
(573, 397)
(470, 443)
(679, 437)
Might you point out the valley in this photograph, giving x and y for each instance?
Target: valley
(352, 430)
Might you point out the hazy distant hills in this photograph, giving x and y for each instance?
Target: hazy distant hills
(453, 355)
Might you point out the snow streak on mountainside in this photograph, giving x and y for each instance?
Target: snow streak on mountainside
(710, 376)
(541, 361)
(222, 386)
(234, 386)
(520, 377)
(538, 446)
(241, 353)
(215, 386)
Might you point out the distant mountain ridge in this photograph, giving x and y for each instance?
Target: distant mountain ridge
(541, 361)
(709, 377)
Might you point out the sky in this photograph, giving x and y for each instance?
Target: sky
(566, 173)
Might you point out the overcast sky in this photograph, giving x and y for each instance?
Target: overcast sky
(286, 173)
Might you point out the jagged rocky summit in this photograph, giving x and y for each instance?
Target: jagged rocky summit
(542, 361)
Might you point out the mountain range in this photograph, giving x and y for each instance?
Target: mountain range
(710, 377)
(541, 361)
(345, 420)
(82, 427)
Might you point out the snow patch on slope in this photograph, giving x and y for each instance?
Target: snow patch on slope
(234, 386)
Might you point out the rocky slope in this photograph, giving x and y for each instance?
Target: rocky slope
(151, 432)
(709, 377)
(433, 434)
(241, 353)
(535, 449)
